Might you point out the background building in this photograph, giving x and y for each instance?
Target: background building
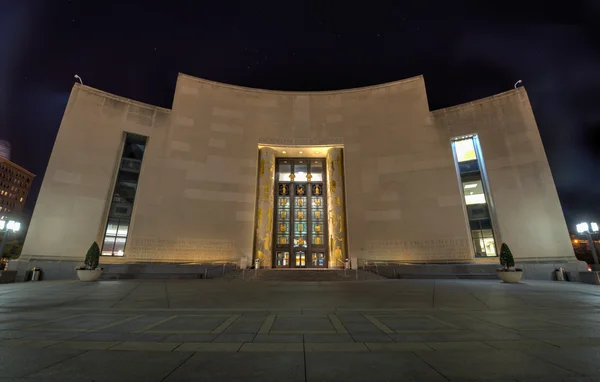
(298, 179)
(15, 182)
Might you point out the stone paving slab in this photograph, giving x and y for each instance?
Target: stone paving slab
(398, 330)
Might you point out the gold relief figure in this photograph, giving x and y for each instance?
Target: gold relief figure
(332, 186)
(318, 240)
(341, 223)
(259, 213)
(282, 227)
(300, 202)
(270, 216)
(266, 190)
(300, 215)
(317, 190)
(317, 214)
(260, 255)
(292, 177)
(300, 227)
(331, 166)
(267, 243)
(300, 190)
(317, 202)
(337, 253)
(282, 240)
(284, 189)
(309, 177)
(300, 241)
(338, 201)
(283, 202)
(261, 166)
(317, 228)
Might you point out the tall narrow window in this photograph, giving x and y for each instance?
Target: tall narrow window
(121, 207)
(469, 162)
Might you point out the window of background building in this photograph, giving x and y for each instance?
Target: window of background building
(121, 207)
(469, 163)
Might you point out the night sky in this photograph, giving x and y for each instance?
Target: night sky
(465, 50)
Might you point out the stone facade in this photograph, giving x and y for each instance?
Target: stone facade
(204, 192)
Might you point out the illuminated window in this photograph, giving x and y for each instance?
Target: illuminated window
(285, 169)
(117, 227)
(465, 150)
(469, 164)
(474, 192)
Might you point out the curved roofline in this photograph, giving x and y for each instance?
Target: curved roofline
(494, 97)
(299, 92)
(119, 98)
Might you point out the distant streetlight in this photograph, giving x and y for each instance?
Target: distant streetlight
(585, 228)
(6, 227)
(520, 82)
(79, 78)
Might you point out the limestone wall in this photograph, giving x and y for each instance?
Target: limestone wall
(196, 198)
(527, 208)
(73, 202)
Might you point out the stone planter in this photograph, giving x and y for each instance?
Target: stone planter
(89, 275)
(510, 276)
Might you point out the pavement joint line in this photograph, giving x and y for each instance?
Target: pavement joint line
(221, 328)
(179, 331)
(267, 324)
(337, 324)
(53, 321)
(148, 327)
(304, 332)
(116, 323)
(43, 329)
(380, 325)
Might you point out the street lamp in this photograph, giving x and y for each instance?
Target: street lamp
(6, 227)
(585, 228)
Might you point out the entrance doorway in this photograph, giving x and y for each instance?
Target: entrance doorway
(300, 225)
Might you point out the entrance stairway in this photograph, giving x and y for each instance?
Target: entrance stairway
(301, 275)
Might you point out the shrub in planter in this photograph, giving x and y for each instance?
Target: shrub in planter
(508, 272)
(90, 271)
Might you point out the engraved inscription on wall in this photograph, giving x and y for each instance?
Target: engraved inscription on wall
(301, 141)
(180, 249)
(442, 249)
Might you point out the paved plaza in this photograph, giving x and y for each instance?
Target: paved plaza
(217, 330)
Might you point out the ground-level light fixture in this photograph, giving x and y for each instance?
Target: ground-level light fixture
(585, 228)
(7, 227)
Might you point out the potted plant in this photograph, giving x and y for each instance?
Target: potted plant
(90, 271)
(508, 273)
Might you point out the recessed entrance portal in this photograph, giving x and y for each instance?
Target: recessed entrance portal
(300, 224)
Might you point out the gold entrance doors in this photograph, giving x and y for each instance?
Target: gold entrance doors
(300, 224)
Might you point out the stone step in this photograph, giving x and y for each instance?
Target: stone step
(300, 275)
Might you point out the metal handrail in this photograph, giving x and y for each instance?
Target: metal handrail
(223, 265)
